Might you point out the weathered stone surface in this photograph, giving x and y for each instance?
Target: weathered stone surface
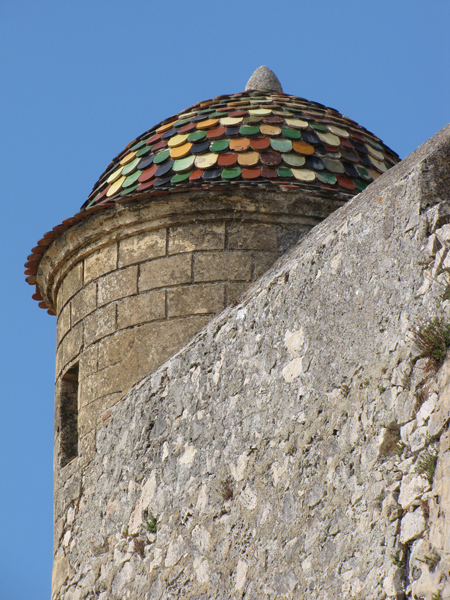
(89, 361)
(101, 383)
(63, 323)
(142, 247)
(252, 236)
(61, 571)
(264, 79)
(413, 525)
(412, 487)
(141, 309)
(163, 272)
(100, 323)
(234, 292)
(188, 238)
(116, 285)
(100, 262)
(393, 585)
(84, 302)
(71, 283)
(170, 336)
(70, 347)
(198, 299)
(112, 351)
(263, 261)
(260, 461)
(223, 266)
(88, 417)
(426, 410)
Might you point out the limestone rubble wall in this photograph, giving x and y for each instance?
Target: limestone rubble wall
(298, 447)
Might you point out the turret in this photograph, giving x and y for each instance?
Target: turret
(177, 227)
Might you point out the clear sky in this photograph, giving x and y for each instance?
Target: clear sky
(80, 80)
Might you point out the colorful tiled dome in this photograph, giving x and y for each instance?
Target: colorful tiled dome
(261, 138)
(257, 138)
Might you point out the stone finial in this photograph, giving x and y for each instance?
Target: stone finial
(264, 79)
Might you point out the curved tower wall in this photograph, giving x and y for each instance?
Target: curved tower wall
(131, 285)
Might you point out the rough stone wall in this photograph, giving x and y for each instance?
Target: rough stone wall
(298, 447)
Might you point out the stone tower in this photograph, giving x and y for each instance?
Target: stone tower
(176, 228)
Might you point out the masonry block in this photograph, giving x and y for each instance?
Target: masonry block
(71, 345)
(222, 266)
(87, 417)
(71, 283)
(59, 361)
(201, 236)
(141, 309)
(159, 341)
(100, 323)
(117, 285)
(142, 247)
(196, 299)
(84, 302)
(163, 272)
(101, 383)
(63, 324)
(100, 262)
(112, 350)
(88, 361)
(252, 236)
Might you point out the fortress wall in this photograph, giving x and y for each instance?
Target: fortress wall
(279, 454)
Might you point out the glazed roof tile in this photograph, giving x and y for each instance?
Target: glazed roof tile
(258, 139)
(269, 124)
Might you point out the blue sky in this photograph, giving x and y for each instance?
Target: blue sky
(82, 79)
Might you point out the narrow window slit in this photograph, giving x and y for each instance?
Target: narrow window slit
(68, 406)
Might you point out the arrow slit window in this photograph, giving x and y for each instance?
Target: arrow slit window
(68, 417)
